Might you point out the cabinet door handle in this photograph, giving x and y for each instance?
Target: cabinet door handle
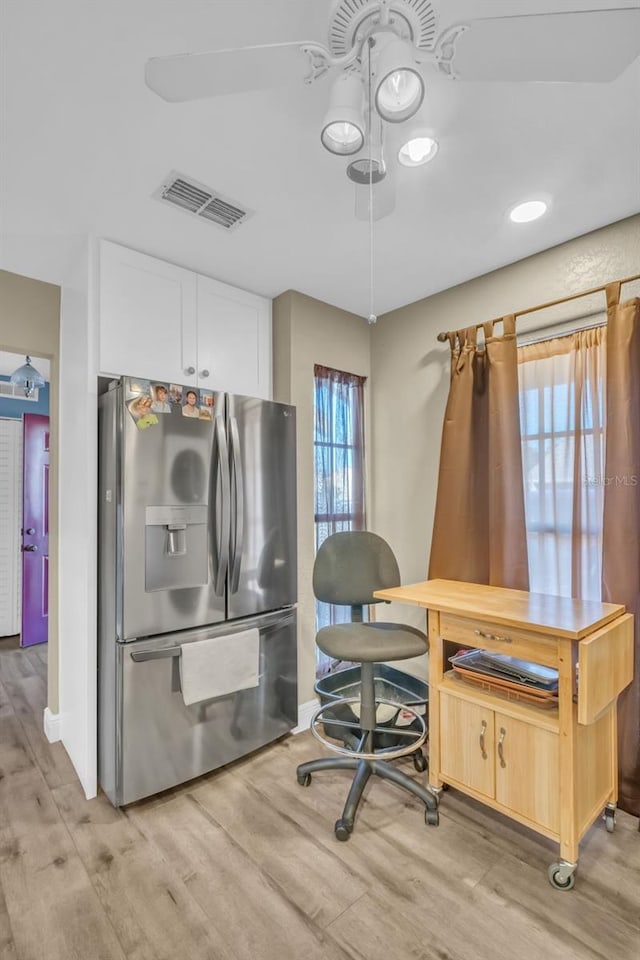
(503, 734)
(204, 373)
(492, 636)
(482, 743)
(189, 371)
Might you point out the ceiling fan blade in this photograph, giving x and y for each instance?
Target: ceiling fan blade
(192, 76)
(588, 46)
(384, 199)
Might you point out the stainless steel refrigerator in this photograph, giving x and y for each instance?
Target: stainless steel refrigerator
(197, 539)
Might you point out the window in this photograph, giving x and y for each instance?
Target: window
(562, 417)
(339, 469)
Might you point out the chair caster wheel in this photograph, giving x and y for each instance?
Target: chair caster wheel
(342, 830)
(304, 779)
(559, 879)
(431, 817)
(420, 761)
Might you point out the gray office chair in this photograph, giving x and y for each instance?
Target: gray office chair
(349, 567)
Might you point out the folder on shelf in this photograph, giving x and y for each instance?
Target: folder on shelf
(501, 666)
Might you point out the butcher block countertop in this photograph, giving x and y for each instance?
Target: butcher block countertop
(546, 614)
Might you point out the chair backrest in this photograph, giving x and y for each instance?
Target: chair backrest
(350, 566)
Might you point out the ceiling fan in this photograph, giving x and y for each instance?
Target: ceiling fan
(378, 52)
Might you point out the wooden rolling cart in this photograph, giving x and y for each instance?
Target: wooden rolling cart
(553, 769)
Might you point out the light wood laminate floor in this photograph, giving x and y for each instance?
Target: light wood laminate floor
(243, 865)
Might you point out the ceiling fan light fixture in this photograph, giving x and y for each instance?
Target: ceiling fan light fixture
(369, 166)
(399, 86)
(367, 169)
(344, 126)
(417, 151)
(528, 211)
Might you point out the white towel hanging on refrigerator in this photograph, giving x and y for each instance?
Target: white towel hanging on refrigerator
(218, 666)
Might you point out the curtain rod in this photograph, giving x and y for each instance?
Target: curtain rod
(443, 337)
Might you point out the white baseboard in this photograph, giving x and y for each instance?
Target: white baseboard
(305, 712)
(52, 729)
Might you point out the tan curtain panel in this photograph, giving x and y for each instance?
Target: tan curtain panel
(562, 418)
(479, 530)
(621, 523)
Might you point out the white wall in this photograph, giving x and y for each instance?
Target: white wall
(78, 523)
(410, 374)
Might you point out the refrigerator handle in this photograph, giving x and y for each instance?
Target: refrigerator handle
(238, 485)
(222, 464)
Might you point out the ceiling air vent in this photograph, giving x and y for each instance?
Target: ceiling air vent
(201, 201)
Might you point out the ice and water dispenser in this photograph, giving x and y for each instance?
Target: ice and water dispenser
(176, 547)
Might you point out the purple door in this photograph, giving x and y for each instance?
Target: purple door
(35, 530)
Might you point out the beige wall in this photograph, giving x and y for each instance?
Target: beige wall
(30, 323)
(305, 332)
(410, 374)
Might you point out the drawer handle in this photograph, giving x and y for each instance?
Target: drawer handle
(503, 734)
(482, 744)
(492, 636)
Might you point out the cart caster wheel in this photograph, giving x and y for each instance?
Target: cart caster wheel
(304, 779)
(555, 878)
(431, 817)
(609, 817)
(420, 761)
(342, 830)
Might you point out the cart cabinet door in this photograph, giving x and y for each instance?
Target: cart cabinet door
(527, 771)
(467, 743)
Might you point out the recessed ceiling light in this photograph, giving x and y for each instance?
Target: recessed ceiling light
(417, 151)
(527, 211)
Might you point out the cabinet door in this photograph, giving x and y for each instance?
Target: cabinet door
(147, 316)
(234, 340)
(527, 771)
(467, 743)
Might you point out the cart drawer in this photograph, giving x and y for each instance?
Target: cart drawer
(605, 661)
(525, 644)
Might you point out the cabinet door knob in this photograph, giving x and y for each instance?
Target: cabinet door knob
(204, 373)
(482, 743)
(503, 734)
(190, 371)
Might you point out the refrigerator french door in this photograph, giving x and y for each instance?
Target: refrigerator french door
(197, 540)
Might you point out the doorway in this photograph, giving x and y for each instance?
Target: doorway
(24, 516)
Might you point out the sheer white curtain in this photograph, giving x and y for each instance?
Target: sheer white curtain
(562, 415)
(339, 470)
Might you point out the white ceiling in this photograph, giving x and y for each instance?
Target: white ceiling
(86, 143)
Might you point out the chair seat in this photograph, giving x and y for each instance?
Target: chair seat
(371, 642)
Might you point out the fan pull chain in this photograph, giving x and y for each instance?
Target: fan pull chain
(372, 318)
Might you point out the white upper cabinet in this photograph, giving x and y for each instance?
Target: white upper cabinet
(234, 339)
(162, 322)
(148, 322)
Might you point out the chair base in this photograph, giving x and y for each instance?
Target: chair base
(364, 769)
